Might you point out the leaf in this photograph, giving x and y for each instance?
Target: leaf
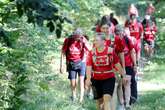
(44, 85)
(51, 26)
(19, 9)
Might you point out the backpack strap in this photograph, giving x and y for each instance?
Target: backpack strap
(94, 54)
(109, 53)
(70, 38)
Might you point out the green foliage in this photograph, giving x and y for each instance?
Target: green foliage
(29, 53)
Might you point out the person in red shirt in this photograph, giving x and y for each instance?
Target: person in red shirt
(130, 66)
(115, 41)
(73, 48)
(150, 30)
(136, 31)
(101, 62)
(105, 20)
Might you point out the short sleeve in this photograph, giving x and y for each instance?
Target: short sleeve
(119, 45)
(115, 58)
(89, 59)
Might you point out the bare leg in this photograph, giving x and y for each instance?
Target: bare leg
(81, 88)
(99, 104)
(73, 87)
(113, 101)
(127, 92)
(106, 100)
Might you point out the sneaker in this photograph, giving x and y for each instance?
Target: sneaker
(128, 107)
(133, 100)
(73, 99)
(120, 107)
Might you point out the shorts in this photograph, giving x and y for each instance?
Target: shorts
(129, 71)
(149, 43)
(101, 87)
(80, 72)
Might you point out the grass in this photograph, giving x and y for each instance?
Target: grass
(151, 100)
(155, 72)
(57, 96)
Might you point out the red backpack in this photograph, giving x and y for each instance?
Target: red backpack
(71, 40)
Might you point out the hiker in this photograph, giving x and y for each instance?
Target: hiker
(136, 31)
(150, 30)
(101, 61)
(132, 10)
(114, 41)
(73, 49)
(130, 67)
(88, 89)
(150, 9)
(113, 19)
(108, 31)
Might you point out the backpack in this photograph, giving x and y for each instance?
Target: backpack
(69, 43)
(71, 64)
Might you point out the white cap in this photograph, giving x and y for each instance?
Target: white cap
(78, 31)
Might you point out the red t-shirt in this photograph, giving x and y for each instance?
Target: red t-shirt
(118, 44)
(102, 62)
(148, 33)
(75, 51)
(127, 55)
(135, 29)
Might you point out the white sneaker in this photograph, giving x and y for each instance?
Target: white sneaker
(120, 107)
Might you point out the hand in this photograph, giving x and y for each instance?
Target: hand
(88, 82)
(135, 69)
(125, 80)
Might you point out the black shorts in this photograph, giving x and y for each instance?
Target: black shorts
(130, 71)
(101, 87)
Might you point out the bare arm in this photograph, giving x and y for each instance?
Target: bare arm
(122, 59)
(120, 69)
(89, 72)
(133, 56)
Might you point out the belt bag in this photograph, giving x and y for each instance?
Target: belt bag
(75, 65)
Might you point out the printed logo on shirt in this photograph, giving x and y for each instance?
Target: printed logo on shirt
(102, 60)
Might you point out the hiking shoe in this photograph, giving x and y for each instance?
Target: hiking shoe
(120, 107)
(73, 99)
(128, 108)
(133, 100)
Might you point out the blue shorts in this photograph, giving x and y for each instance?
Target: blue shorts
(80, 72)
